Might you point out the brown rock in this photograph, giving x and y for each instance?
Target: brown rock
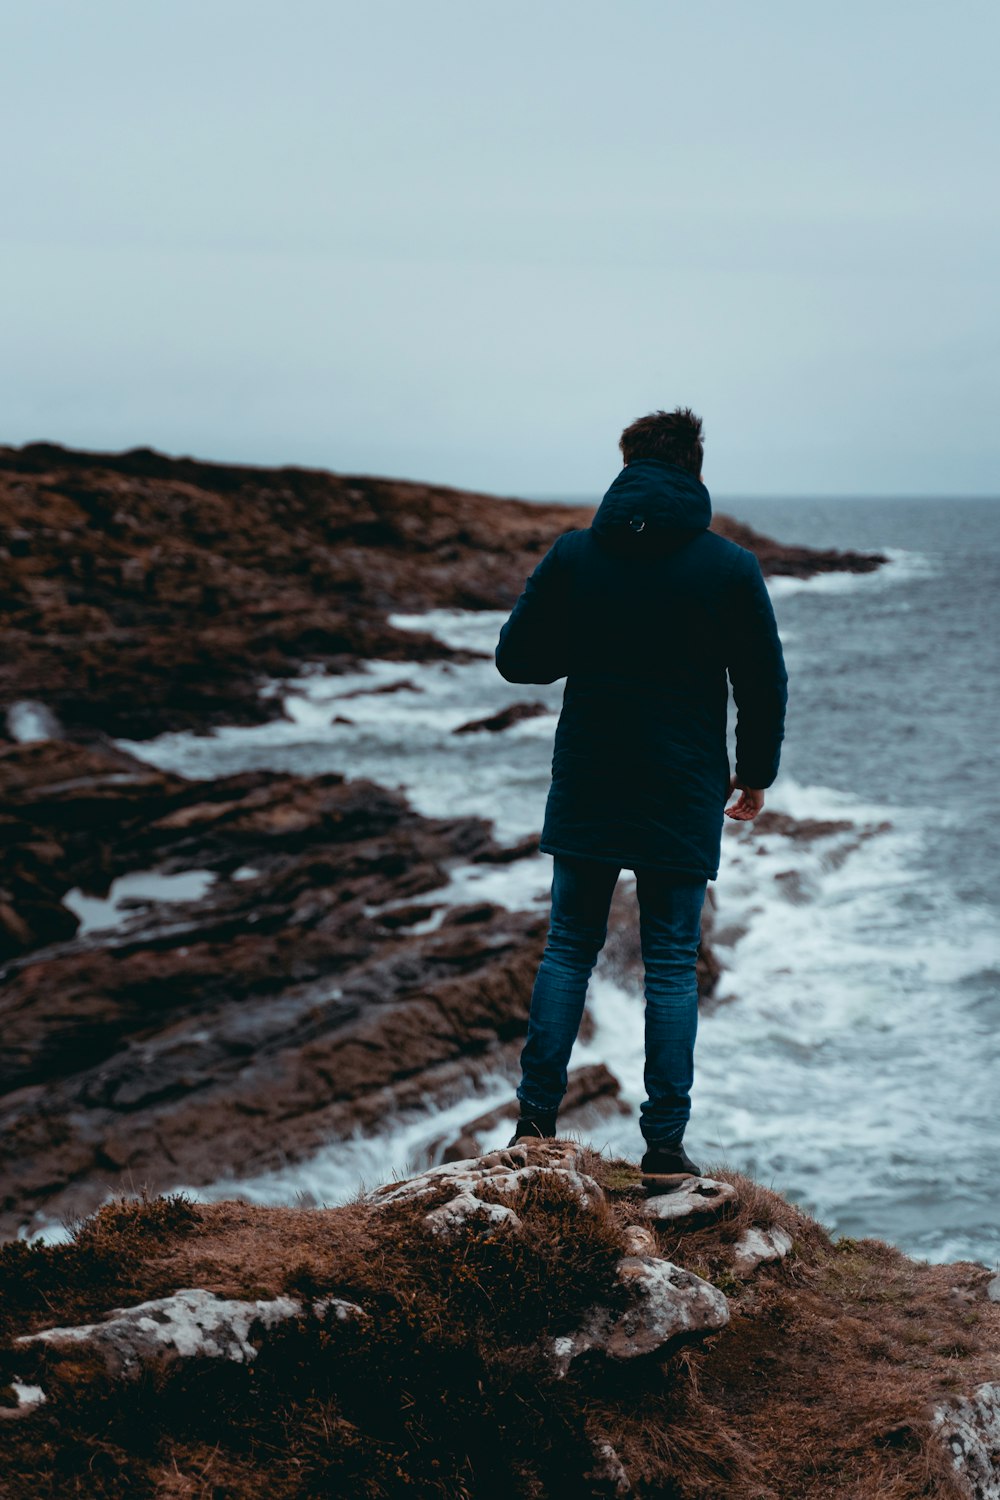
(152, 593)
(512, 714)
(249, 1028)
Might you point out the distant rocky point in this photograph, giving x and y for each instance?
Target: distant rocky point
(141, 593)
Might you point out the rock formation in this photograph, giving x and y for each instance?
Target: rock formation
(544, 1343)
(281, 1010)
(969, 1427)
(695, 1198)
(146, 593)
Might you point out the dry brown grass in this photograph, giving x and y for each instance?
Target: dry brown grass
(834, 1358)
(820, 1386)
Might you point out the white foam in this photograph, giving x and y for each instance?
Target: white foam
(140, 888)
(840, 1053)
(467, 629)
(337, 1172)
(518, 886)
(902, 565)
(48, 1231)
(29, 721)
(403, 739)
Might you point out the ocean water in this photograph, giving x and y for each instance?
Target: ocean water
(853, 1056)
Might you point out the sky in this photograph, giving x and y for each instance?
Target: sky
(469, 243)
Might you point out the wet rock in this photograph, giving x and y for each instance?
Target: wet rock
(252, 1027)
(756, 1246)
(60, 803)
(697, 1198)
(802, 830)
(795, 887)
(512, 714)
(504, 854)
(665, 1307)
(840, 837)
(405, 684)
(968, 1427)
(797, 562)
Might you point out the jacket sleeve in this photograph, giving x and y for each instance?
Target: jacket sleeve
(533, 644)
(756, 669)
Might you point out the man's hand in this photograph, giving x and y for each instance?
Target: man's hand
(750, 803)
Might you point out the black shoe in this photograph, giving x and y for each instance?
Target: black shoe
(666, 1166)
(541, 1127)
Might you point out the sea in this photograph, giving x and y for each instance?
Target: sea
(851, 1058)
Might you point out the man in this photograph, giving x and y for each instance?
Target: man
(644, 613)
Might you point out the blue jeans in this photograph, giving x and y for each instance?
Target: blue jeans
(669, 930)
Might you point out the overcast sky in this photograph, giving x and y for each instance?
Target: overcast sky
(468, 243)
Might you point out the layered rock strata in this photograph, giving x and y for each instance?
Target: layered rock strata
(298, 1000)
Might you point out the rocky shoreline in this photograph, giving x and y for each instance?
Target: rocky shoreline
(520, 1323)
(142, 593)
(314, 988)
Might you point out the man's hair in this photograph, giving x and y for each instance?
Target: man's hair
(674, 436)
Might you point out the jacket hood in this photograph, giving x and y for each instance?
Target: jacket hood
(650, 509)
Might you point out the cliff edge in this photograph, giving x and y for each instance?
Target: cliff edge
(521, 1324)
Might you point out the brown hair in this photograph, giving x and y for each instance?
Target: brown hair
(673, 436)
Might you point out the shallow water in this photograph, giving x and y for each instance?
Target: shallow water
(132, 892)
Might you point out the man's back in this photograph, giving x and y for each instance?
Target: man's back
(644, 612)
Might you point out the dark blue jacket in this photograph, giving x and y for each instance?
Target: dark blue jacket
(644, 612)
